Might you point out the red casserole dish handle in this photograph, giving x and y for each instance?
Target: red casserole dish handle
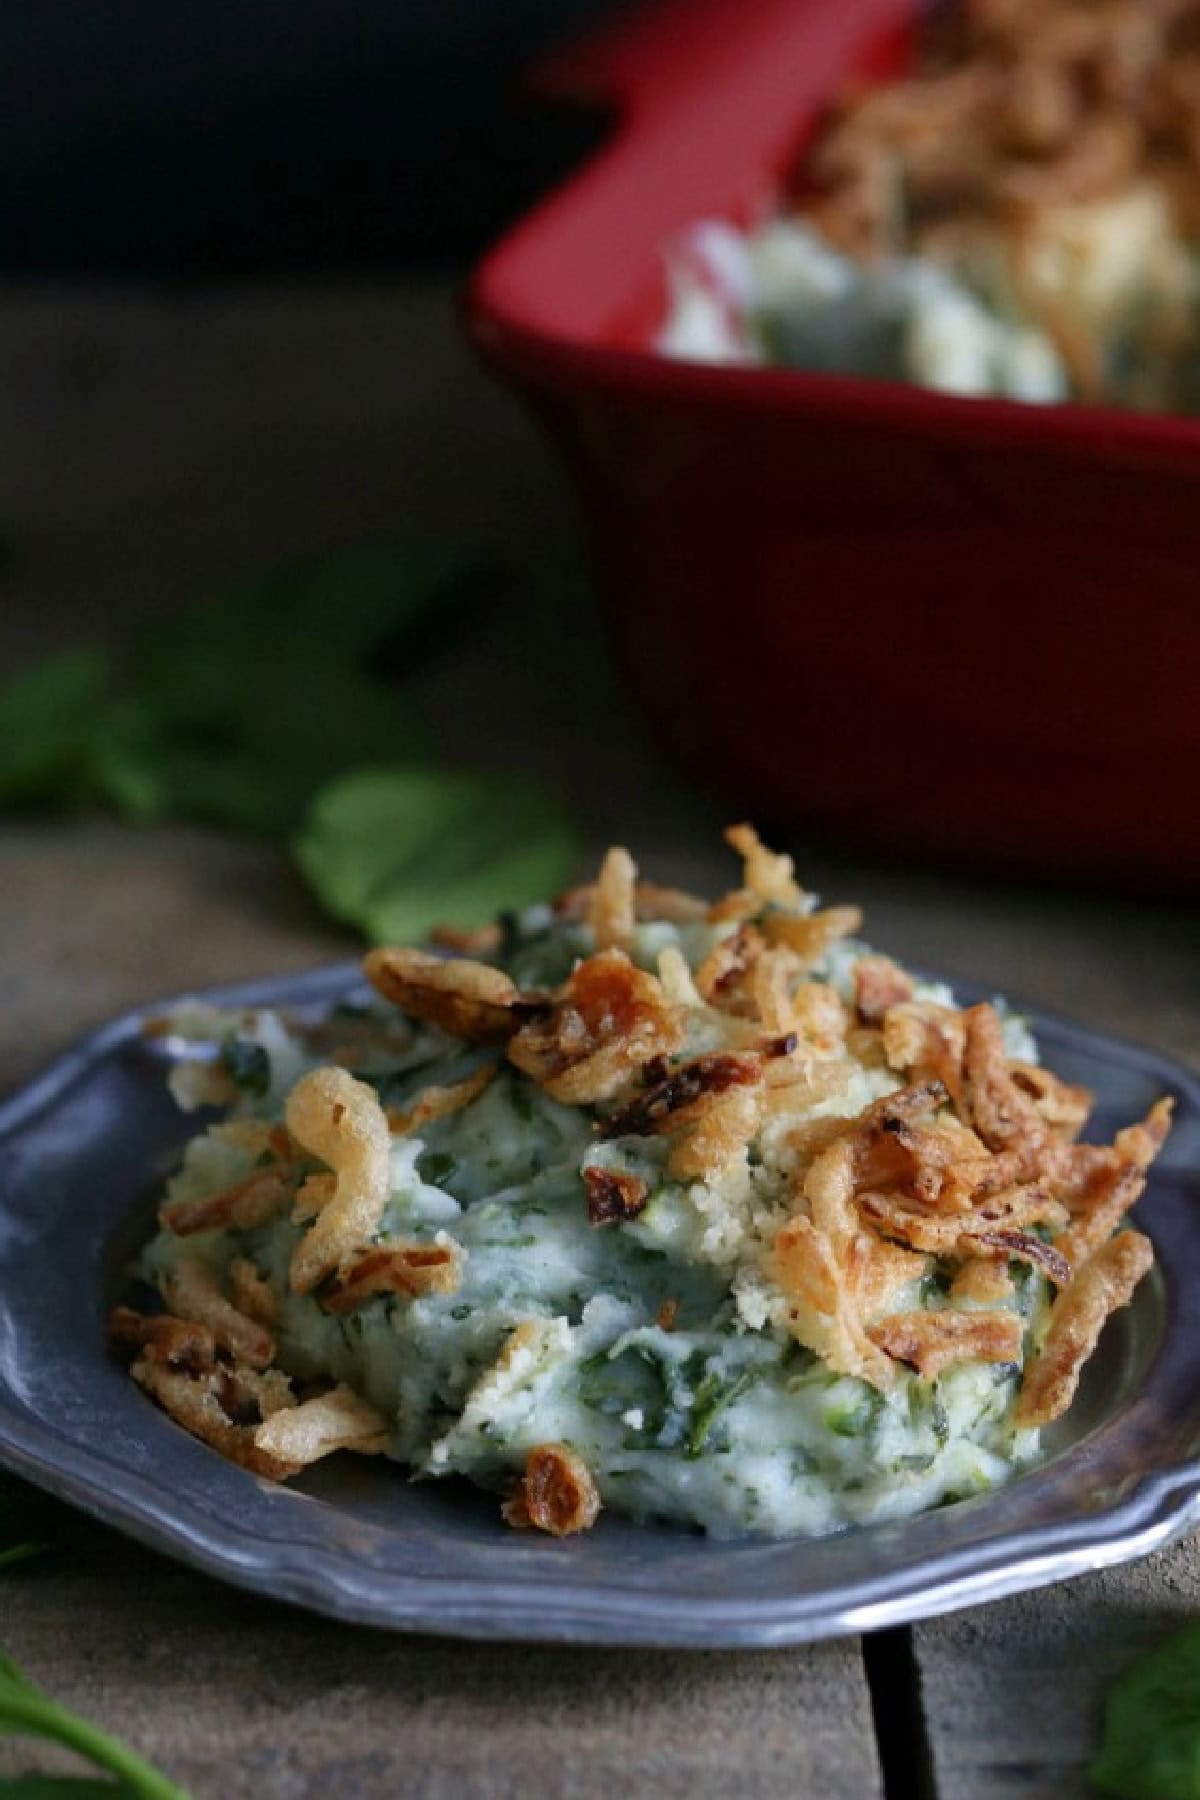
(750, 68)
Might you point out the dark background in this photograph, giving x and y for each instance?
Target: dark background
(174, 138)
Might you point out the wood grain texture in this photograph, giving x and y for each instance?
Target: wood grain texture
(1013, 1694)
(242, 1699)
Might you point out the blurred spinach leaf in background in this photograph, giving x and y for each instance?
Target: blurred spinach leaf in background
(241, 711)
(396, 850)
(1151, 1744)
(26, 1711)
(260, 696)
(25, 1515)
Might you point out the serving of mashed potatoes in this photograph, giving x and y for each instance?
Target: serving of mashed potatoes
(700, 1213)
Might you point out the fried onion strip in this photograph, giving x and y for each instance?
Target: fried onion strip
(557, 1493)
(411, 1269)
(341, 1121)
(223, 1408)
(257, 1199)
(439, 1102)
(192, 1291)
(467, 999)
(612, 914)
(932, 1341)
(339, 1420)
(609, 1020)
(1103, 1285)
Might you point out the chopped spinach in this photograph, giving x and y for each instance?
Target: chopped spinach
(714, 1396)
(853, 1415)
(247, 1065)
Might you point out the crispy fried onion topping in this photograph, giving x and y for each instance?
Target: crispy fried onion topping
(981, 1282)
(723, 978)
(683, 1095)
(821, 1309)
(879, 984)
(931, 1341)
(339, 1420)
(411, 1269)
(1020, 1246)
(180, 1344)
(556, 1494)
(809, 936)
(252, 1292)
(1000, 1109)
(706, 1148)
(1105, 1283)
(339, 1120)
(768, 875)
(467, 999)
(249, 1414)
(192, 1291)
(255, 1200)
(940, 1234)
(613, 1196)
(439, 1102)
(651, 901)
(607, 1022)
(1112, 1181)
(712, 1105)
(612, 913)
(925, 1042)
(223, 1406)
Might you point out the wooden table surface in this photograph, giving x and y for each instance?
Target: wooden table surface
(150, 450)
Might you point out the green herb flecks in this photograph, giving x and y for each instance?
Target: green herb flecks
(713, 1397)
(247, 1065)
(1151, 1744)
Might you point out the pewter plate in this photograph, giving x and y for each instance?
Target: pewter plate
(82, 1151)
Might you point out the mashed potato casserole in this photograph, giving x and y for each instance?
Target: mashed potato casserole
(699, 1213)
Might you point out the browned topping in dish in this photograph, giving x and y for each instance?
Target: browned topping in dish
(1025, 130)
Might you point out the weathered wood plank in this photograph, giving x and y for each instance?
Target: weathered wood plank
(1013, 1693)
(242, 1699)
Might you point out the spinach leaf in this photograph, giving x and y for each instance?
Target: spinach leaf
(1151, 1744)
(247, 1065)
(396, 850)
(238, 710)
(714, 1395)
(25, 1711)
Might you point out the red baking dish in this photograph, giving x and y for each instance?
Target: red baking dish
(958, 626)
